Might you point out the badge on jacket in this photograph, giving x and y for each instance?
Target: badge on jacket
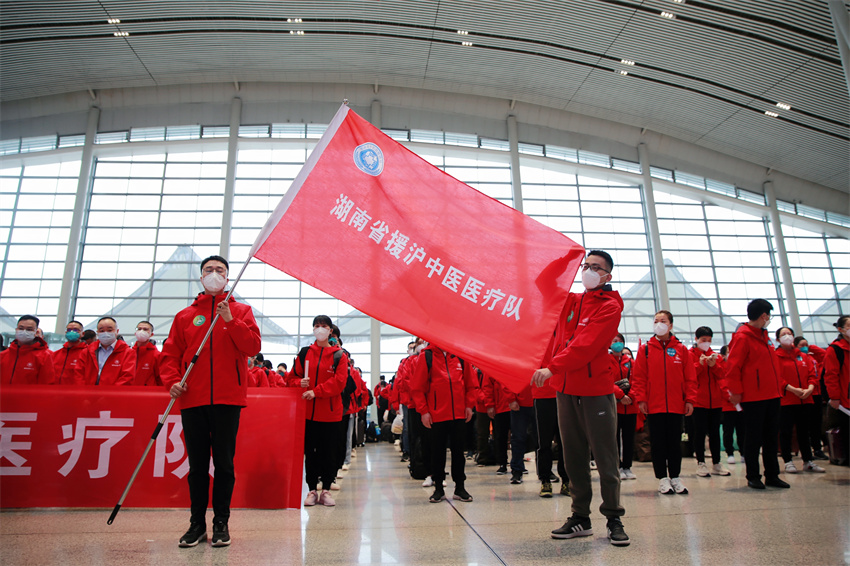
(199, 320)
(671, 352)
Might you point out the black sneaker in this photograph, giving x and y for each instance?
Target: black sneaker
(438, 494)
(221, 536)
(405, 457)
(575, 526)
(502, 470)
(462, 495)
(516, 477)
(819, 455)
(553, 478)
(197, 533)
(776, 482)
(616, 534)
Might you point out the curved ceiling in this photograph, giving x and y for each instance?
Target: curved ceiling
(707, 75)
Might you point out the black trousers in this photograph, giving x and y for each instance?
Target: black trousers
(423, 435)
(206, 429)
(321, 453)
(482, 437)
(707, 422)
(453, 432)
(733, 424)
(626, 425)
(816, 422)
(665, 438)
(501, 428)
(546, 413)
(762, 421)
(791, 416)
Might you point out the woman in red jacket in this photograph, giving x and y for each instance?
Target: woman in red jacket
(836, 376)
(798, 383)
(664, 386)
(627, 410)
(817, 355)
(708, 409)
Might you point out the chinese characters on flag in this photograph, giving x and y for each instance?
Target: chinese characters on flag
(386, 232)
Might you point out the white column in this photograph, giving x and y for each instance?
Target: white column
(659, 276)
(230, 176)
(516, 178)
(782, 256)
(73, 254)
(841, 25)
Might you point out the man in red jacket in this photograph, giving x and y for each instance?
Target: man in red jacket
(753, 377)
(147, 356)
(583, 375)
(214, 393)
(108, 360)
(66, 358)
(27, 359)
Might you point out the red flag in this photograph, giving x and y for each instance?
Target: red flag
(376, 226)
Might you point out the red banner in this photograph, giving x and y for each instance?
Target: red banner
(371, 223)
(78, 446)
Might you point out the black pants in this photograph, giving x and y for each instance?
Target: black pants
(421, 434)
(733, 425)
(321, 452)
(762, 421)
(791, 416)
(665, 438)
(626, 425)
(546, 412)
(816, 423)
(211, 428)
(482, 438)
(501, 428)
(707, 422)
(453, 432)
(342, 443)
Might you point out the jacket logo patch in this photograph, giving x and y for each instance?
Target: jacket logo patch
(671, 352)
(199, 320)
(116, 363)
(569, 318)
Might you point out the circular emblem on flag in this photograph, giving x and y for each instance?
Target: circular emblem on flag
(199, 320)
(671, 352)
(369, 158)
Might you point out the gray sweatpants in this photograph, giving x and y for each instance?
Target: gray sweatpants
(590, 423)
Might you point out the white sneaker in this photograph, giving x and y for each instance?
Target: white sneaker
(593, 464)
(622, 474)
(730, 459)
(790, 468)
(719, 470)
(428, 482)
(345, 467)
(813, 467)
(702, 470)
(678, 486)
(664, 486)
(335, 486)
(629, 474)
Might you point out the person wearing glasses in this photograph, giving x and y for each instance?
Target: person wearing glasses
(212, 398)
(583, 375)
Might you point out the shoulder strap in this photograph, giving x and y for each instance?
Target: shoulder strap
(839, 353)
(429, 359)
(337, 358)
(646, 351)
(302, 355)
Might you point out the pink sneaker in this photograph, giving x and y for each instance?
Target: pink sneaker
(311, 499)
(326, 499)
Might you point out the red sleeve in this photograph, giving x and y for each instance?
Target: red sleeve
(419, 385)
(471, 385)
(171, 360)
(831, 367)
(244, 332)
(639, 375)
(46, 374)
(738, 351)
(488, 396)
(690, 378)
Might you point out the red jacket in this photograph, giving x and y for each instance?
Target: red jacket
(798, 370)
(581, 364)
(258, 377)
(817, 354)
(118, 369)
(524, 398)
(325, 382)
(711, 381)
(65, 361)
(664, 376)
(447, 390)
(495, 395)
(30, 363)
(752, 368)
(401, 385)
(624, 371)
(836, 375)
(219, 376)
(147, 364)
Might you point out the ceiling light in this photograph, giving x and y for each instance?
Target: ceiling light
(624, 72)
(462, 32)
(771, 114)
(293, 32)
(294, 20)
(466, 43)
(113, 21)
(121, 34)
(626, 62)
(783, 105)
(668, 15)
(679, 1)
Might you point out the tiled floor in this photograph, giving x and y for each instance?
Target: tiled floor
(384, 517)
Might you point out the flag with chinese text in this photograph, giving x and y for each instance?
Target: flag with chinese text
(381, 229)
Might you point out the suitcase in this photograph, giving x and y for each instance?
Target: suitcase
(360, 429)
(837, 441)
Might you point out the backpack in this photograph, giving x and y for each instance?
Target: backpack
(429, 359)
(302, 355)
(839, 354)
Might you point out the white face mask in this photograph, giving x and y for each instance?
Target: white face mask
(660, 329)
(704, 346)
(786, 339)
(590, 279)
(410, 351)
(321, 333)
(106, 339)
(213, 282)
(419, 348)
(24, 336)
(143, 335)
